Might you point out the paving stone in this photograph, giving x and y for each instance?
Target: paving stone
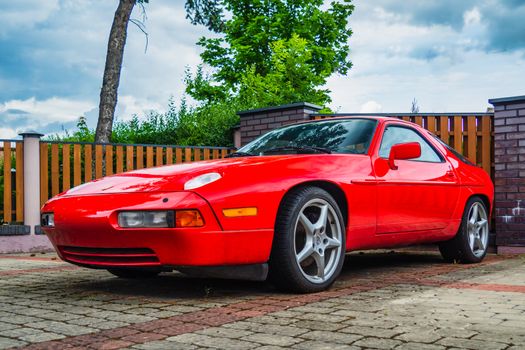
(131, 318)
(377, 343)
(377, 322)
(370, 331)
(19, 319)
(419, 346)
(6, 343)
(318, 325)
(472, 344)
(456, 332)
(313, 309)
(213, 342)
(181, 308)
(41, 337)
(319, 345)
(164, 345)
(333, 337)
(501, 338)
(321, 317)
(419, 336)
(86, 321)
(269, 347)
(20, 332)
(284, 321)
(224, 332)
(6, 326)
(108, 324)
(63, 328)
(380, 302)
(271, 339)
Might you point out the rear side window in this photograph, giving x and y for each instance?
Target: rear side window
(453, 151)
(400, 134)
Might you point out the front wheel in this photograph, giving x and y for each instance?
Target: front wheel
(471, 242)
(134, 273)
(309, 242)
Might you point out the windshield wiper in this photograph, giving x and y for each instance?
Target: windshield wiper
(298, 148)
(239, 154)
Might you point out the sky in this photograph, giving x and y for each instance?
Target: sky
(450, 55)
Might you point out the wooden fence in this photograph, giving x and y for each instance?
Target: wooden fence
(65, 164)
(11, 181)
(470, 134)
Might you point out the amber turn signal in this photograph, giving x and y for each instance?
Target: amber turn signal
(188, 218)
(236, 212)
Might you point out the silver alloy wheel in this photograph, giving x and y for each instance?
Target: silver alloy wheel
(478, 229)
(317, 237)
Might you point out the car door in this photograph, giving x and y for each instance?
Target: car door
(421, 194)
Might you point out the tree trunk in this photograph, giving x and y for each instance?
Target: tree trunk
(114, 56)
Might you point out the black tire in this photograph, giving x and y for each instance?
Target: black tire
(459, 248)
(134, 273)
(286, 272)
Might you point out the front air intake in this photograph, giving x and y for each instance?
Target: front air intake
(109, 256)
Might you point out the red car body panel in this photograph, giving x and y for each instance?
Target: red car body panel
(417, 203)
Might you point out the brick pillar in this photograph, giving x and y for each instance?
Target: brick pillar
(256, 122)
(509, 162)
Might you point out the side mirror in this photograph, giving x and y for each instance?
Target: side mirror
(407, 150)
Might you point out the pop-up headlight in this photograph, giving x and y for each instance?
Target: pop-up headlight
(201, 180)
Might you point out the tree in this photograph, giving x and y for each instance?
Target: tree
(415, 106)
(248, 43)
(206, 12)
(114, 57)
(291, 79)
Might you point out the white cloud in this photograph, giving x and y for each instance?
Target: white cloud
(6, 133)
(400, 51)
(25, 13)
(54, 109)
(472, 16)
(446, 69)
(46, 116)
(128, 106)
(371, 107)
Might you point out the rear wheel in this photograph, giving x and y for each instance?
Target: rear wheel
(309, 242)
(134, 273)
(471, 242)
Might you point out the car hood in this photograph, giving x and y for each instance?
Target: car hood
(172, 177)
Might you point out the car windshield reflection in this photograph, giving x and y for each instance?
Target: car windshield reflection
(347, 136)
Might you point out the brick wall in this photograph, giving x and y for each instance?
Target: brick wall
(509, 176)
(256, 122)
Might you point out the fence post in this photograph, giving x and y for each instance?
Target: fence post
(31, 179)
(509, 162)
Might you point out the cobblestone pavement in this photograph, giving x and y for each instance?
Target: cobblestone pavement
(402, 300)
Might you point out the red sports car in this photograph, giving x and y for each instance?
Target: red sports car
(288, 205)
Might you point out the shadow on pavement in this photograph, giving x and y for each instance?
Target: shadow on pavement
(179, 286)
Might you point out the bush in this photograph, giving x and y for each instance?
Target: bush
(207, 125)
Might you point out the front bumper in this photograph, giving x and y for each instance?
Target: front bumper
(86, 233)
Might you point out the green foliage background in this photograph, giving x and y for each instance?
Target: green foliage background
(268, 53)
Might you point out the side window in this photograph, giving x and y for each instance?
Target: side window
(398, 134)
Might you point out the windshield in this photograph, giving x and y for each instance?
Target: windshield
(351, 136)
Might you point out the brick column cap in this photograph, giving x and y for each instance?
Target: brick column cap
(297, 105)
(507, 100)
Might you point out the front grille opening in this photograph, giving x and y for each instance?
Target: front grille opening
(110, 256)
